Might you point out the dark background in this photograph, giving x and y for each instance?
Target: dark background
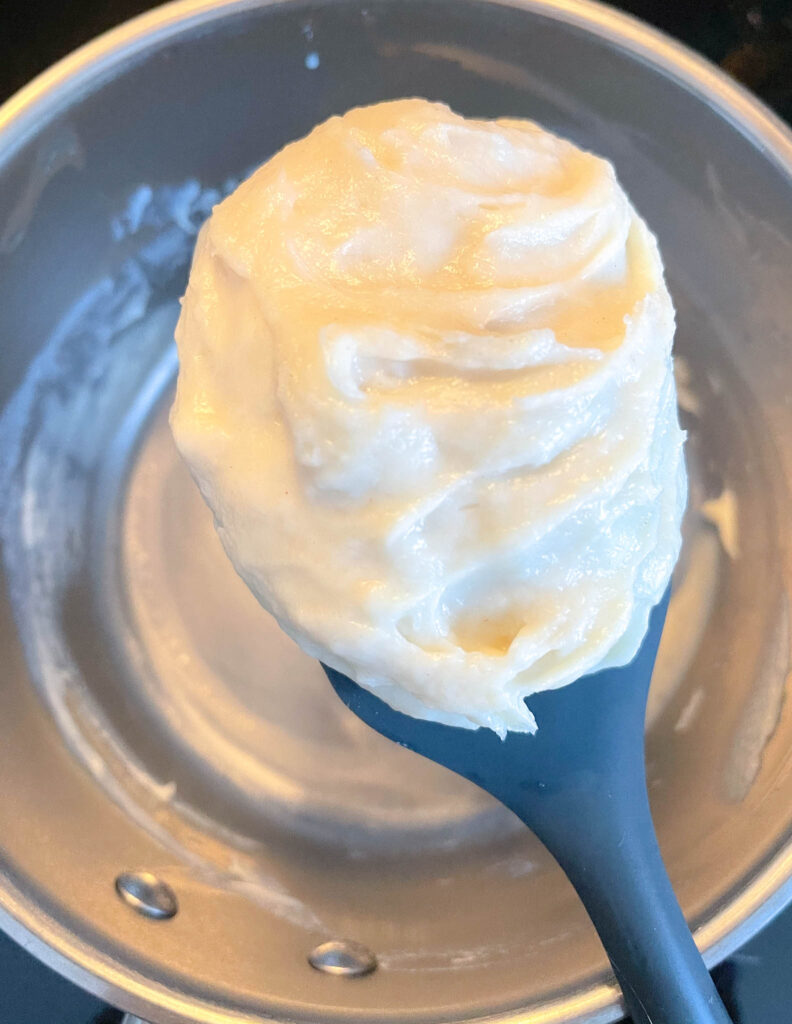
(750, 40)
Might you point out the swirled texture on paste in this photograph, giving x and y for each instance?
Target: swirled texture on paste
(426, 387)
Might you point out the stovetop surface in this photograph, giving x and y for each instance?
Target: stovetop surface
(752, 41)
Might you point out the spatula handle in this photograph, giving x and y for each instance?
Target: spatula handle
(616, 867)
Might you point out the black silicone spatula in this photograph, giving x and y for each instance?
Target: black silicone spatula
(579, 783)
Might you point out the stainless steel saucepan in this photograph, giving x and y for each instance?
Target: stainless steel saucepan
(187, 813)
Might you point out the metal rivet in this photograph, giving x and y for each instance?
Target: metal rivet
(147, 894)
(350, 959)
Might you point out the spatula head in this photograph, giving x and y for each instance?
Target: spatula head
(582, 727)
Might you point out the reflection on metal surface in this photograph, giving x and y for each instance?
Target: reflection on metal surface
(147, 894)
(344, 958)
(58, 149)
